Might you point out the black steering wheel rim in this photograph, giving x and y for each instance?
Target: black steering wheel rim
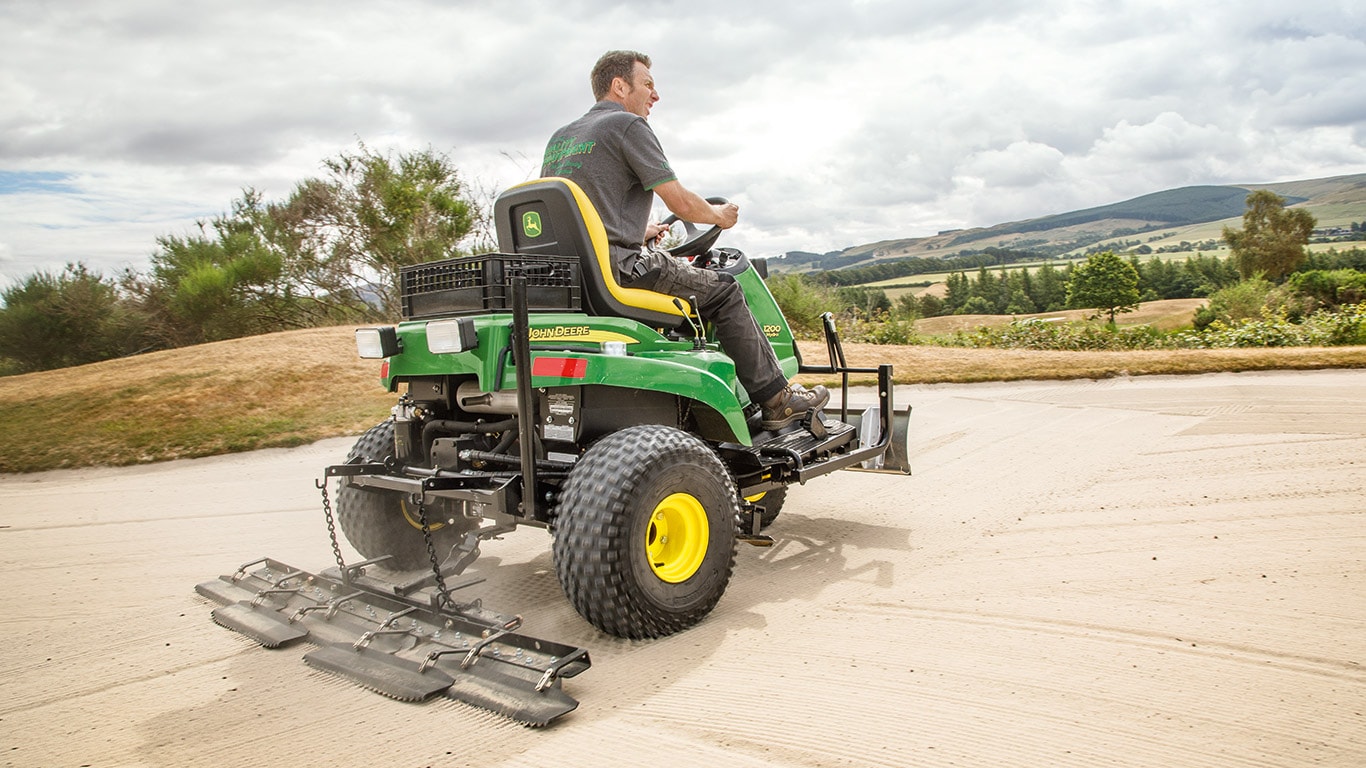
(696, 240)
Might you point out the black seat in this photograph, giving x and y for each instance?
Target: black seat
(553, 216)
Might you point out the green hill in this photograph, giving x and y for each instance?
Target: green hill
(1187, 205)
(1191, 214)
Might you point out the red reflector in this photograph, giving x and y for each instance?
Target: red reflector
(384, 370)
(562, 367)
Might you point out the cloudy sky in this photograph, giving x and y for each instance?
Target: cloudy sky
(830, 123)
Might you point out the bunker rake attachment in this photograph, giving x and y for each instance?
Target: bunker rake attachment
(398, 640)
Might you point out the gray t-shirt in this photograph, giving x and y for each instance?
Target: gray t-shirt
(617, 161)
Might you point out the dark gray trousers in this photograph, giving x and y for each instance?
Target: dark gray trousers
(720, 301)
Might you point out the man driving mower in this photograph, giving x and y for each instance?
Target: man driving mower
(614, 156)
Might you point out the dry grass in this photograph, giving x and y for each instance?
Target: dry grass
(297, 387)
(278, 390)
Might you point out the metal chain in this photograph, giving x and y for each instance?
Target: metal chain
(441, 590)
(331, 527)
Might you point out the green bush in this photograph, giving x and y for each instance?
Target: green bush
(1324, 328)
(1240, 301)
(1330, 288)
(882, 328)
(802, 303)
(71, 318)
(1041, 335)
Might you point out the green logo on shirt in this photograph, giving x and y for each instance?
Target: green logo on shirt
(561, 156)
(531, 224)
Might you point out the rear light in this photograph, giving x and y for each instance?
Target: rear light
(560, 367)
(447, 336)
(376, 343)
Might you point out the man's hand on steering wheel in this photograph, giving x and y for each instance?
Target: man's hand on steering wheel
(728, 212)
(697, 241)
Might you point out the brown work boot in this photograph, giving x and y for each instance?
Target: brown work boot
(791, 404)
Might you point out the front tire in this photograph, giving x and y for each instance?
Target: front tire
(385, 522)
(772, 502)
(645, 532)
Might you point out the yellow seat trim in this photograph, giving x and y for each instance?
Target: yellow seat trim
(597, 234)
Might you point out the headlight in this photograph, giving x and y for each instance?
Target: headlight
(446, 336)
(375, 343)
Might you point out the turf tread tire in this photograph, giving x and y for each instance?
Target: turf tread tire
(598, 546)
(373, 521)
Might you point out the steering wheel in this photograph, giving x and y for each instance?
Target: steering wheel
(696, 241)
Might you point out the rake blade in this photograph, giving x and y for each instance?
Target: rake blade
(487, 688)
(263, 626)
(383, 673)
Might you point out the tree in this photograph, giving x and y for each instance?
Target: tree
(1106, 283)
(76, 317)
(376, 214)
(988, 286)
(329, 254)
(1050, 289)
(869, 302)
(244, 273)
(1272, 241)
(1020, 304)
(957, 291)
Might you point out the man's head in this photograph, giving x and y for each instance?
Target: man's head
(624, 77)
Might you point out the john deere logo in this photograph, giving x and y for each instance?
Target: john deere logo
(531, 224)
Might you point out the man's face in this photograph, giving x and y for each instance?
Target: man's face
(641, 93)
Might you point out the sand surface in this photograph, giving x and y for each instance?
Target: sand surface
(1165, 571)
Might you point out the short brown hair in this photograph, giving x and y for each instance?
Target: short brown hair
(612, 65)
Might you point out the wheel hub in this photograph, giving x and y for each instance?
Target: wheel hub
(676, 537)
(412, 518)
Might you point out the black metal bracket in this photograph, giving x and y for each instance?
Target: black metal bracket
(356, 469)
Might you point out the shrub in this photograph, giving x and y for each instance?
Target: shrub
(1325, 328)
(882, 329)
(1346, 326)
(1330, 288)
(1041, 335)
(802, 303)
(1240, 301)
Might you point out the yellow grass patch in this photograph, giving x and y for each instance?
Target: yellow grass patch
(265, 391)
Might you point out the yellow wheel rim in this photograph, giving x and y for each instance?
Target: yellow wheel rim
(412, 518)
(676, 538)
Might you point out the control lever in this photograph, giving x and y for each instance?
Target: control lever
(699, 339)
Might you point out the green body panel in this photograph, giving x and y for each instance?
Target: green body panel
(652, 363)
(770, 319)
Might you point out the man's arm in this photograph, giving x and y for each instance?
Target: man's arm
(689, 206)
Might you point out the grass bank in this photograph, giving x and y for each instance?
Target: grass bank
(297, 387)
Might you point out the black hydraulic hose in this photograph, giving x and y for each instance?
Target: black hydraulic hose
(505, 442)
(507, 460)
(451, 426)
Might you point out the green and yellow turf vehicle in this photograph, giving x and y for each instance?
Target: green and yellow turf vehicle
(536, 390)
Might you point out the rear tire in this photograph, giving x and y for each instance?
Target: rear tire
(645, 532)
(384, 522)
